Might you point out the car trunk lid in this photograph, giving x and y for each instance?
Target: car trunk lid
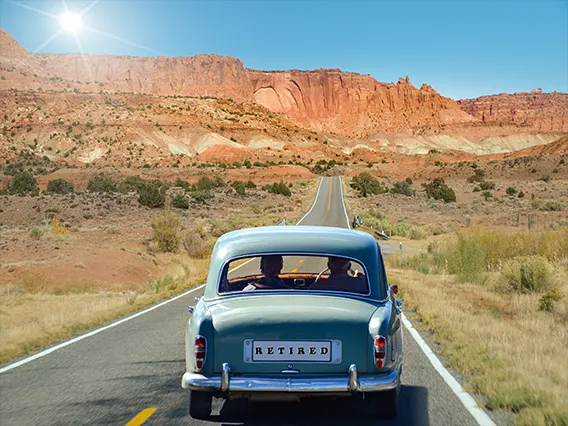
(312, 334)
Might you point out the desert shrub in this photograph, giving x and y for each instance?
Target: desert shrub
(467, 261)
(201, 196)
(58, 230)
(180, 201)
(36, 233)
(545, 178)
(195, 245)
(487, 185)
(131, 184)
(240, 189)
(438, 190)
(60, 186)
(278, 188)
(376, 213)
(24, 183)
(102, 184)
(251, 185)
(521, 195)
(417, 233)
(408, 181)
(179, 183)
(487, 195)
(367, 184)
(528, 274)
(551, 206)
(547, 301)
(402, 188)
(152, 194)
(478, 176)
(511, 191)
(166, 232)
(476, 189)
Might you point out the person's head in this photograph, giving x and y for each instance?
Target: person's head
(338, 265)
(270, 266)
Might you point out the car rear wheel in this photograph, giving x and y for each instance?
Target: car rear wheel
(200, 404)
(386, 403)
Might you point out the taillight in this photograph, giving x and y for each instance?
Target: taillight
(200, 350)
(380, 351)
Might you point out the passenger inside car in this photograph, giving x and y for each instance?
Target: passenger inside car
(339, 278)
(270, 266)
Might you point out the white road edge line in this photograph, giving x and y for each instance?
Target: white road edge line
(123, 320)
(96, 331)
(314, 204)
(466, 399)
(343, 201)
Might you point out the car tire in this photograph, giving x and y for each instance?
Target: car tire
(386, 403)
(200, 404)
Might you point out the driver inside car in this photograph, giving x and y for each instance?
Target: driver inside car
(339, 278)
(270, 266)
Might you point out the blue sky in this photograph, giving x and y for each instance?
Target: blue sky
(462, 48)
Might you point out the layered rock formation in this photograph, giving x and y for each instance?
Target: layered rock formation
(535, 110)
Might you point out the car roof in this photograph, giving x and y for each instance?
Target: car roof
(320, 240)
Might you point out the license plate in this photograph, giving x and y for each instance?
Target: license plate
(282, 350)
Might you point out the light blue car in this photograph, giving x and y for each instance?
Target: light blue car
(295, 312)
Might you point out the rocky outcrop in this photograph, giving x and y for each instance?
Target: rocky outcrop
(535, 110)
(9, 47)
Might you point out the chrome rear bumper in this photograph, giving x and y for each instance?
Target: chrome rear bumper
(351, 383)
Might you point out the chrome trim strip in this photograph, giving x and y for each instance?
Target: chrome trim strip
(366, 383)
(225, 371)
(353, 381)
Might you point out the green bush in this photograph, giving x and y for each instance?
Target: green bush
(278, 188)
(438, 190)
(60, 186)
(182, 184)
(511, 191)
(166, 231)
(251, 185)
(36, 233)
(551, 206)
(201, 196)
(102, 184)
(478, 176)
(402, 188)
(367, 184)
(131, 184)
(528, 274)
(487, 185)
(180, 201)
(152, 194)
(547, 301)
(24, 183)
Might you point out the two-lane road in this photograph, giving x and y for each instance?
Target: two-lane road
(111, 376)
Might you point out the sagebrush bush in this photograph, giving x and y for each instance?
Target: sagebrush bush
(36, 233)
(102, 184)
(195, 245)
(278, 188)
(201, 196)
(180, 201)
(551, 206)
(152, 194)
(60, 186)
(166, 232)
(438, 190)
(528, 274)
(548, 300)
(402, 188)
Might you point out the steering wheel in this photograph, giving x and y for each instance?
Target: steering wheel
(319, 275)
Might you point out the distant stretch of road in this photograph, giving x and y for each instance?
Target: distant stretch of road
(131, 372)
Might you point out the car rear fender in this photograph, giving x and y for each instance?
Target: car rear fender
(385, 322)
(199, 324)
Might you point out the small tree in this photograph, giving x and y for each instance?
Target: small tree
(402, 188)
(60, 186)
(24, 183)
(152, 195)
(438, 190)
(367, 184)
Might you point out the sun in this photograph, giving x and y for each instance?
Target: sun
(71, 22)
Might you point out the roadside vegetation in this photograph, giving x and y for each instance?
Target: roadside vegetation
(497, 302)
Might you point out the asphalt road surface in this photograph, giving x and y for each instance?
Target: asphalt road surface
(110, 378)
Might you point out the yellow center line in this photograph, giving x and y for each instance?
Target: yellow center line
(302, 261)
(295, 270)
(329, 201)
(141, 417)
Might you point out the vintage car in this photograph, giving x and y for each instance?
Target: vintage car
(295, 311)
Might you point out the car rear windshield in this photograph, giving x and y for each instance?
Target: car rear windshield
(294, 272)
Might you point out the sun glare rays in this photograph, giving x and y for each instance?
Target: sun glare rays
(71, 22)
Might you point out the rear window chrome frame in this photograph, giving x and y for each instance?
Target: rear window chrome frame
(291, 291)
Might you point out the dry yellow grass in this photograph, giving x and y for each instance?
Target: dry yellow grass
(505, 347)
(29, 321)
